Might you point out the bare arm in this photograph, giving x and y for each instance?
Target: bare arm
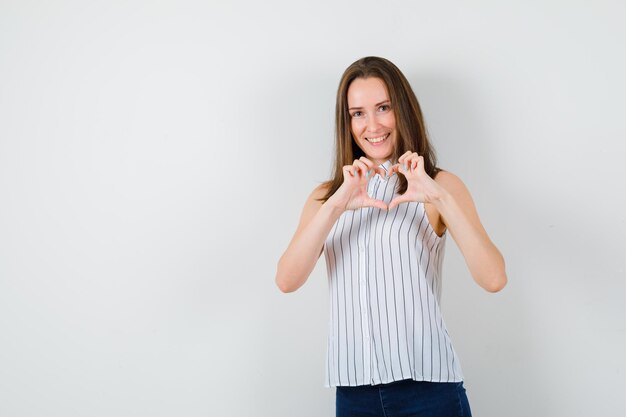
(317, 219)
(450, 197)
(305, 248)
(484, 260)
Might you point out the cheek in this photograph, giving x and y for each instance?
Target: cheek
(355, 128)
(390, 121)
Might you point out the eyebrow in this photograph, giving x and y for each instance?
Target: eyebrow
(376, 105)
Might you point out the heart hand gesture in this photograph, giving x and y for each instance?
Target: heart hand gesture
(421, 187)
(353, 192)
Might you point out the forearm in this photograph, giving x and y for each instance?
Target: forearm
(484, 260)
(296, 264)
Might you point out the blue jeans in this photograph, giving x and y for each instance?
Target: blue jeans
(405, 398)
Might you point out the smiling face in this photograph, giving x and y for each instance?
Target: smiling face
(372, 119)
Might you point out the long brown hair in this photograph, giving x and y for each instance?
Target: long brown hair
(411, 130)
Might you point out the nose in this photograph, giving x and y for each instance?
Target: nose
(372, 124)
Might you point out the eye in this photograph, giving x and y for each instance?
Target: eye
(384, 107)
(357, 114)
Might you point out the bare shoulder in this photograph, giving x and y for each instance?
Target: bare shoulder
(313, 203)
(460, 193)
(316, 196)
(456, 187)
(320, 191)
(453, 185)
(451, 182)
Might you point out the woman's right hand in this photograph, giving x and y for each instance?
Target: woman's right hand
(317, 220)
(352, 194)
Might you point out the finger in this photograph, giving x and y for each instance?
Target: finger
(404, 156)
(348, 171)
(404, 166)
(400, 169)
(397, 201)
(419, 163)
(354, 169)
(411, 162)
(394, 168)
(414, 164)
(367, 162)
(371, 168)
(361, 167)
(370, 202)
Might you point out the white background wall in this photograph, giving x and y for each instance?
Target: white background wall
(155, 156)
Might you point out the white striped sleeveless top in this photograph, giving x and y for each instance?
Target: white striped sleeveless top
(384, 270)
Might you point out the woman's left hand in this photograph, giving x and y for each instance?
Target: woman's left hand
(420, 186)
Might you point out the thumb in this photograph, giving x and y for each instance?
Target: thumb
(394, 168)
(397, 201)
(371, 202)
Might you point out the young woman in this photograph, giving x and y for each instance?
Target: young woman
(381, 222)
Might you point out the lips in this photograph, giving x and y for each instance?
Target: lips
(378, 140)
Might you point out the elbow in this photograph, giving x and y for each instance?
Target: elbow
(291, 275)
(495, 287)
(282, 280)
(495, 284)
(284, 286)
(495, 280)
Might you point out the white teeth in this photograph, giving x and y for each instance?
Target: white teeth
(376, 140)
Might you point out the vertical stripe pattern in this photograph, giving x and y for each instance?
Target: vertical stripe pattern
(384, 276)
